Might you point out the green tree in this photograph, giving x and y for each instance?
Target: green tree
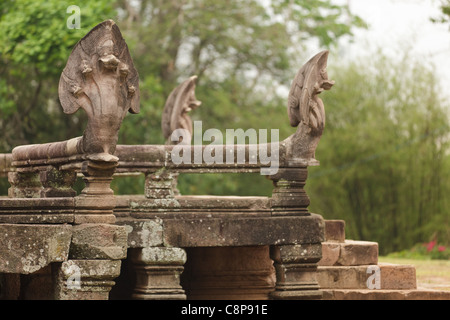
(384, 153)
(35, 43)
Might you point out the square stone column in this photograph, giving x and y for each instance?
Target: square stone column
(94, 262)
(158, 271)
(296, 271)
(85, 279)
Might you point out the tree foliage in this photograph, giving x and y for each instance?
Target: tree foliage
(384, 154)
(240, 50)
(34, 46)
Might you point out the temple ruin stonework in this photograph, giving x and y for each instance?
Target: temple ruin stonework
(57, 244)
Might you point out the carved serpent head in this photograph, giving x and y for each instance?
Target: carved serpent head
(304, 105)
(101, 79)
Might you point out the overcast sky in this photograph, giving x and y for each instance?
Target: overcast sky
(397, 24)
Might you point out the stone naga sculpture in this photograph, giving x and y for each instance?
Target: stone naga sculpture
(306, 110)
(175, 115)
(101, 79)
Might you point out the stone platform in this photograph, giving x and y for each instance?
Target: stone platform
(217, 248)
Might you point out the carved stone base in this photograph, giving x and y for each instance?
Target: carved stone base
(98, 176)
(96, 202)
(289, 196)
(296, 270)
(90, 209)
(158, 272)
(85, 279)
(158, 283)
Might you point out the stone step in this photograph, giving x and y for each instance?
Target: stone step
(335, 230)
(419, 294)
(349, 253)
(389, 276)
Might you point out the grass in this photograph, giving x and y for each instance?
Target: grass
(430, 274)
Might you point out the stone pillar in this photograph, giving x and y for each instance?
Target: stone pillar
(158, 271)
(296, 271)
(85, 279)
(98, 175)
(96, 202)
(94, 262)
(289, 196)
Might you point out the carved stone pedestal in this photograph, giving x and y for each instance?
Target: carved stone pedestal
(289, 196)
(96, 202)
(158, 271)
(85, 279)
(296, 269)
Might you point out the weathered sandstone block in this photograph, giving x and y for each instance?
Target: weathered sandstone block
(99, 241)
(28, 248)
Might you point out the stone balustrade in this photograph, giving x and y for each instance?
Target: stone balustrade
(159, 244)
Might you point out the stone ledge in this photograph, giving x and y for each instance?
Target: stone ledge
(223, 232)
(192, 207)
(143, 233)
(215, 232)
(98, 242)
(26, 249)
(385, 295)
(349, 253)
(36, 210)
(392, 277)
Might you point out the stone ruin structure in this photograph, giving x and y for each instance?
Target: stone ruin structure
(55, 244)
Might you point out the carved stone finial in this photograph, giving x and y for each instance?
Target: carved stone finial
(175, 115)
(101, 79)
(306, 109)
